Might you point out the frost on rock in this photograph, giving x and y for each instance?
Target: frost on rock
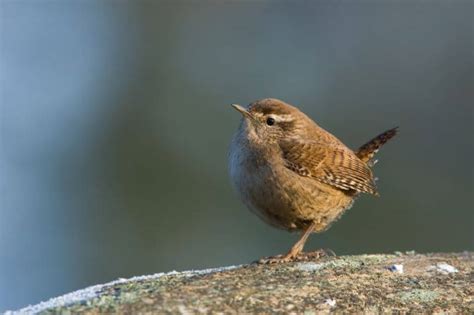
(309, 266)
(346, 284)
(93, 291)
(398, 268)
(330, 302)
(443, 268)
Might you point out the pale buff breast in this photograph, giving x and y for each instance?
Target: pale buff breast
(281, 197)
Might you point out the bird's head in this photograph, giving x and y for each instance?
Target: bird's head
(269, 120)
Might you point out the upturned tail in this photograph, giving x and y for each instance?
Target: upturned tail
(368, 150)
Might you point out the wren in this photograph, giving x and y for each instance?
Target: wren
(294, 174)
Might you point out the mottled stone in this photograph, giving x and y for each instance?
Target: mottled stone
(340, 284)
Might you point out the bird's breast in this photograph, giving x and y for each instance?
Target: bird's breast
(276, 194)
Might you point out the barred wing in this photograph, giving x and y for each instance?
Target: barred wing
(335, 166)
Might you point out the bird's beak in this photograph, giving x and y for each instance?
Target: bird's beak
(242, 110)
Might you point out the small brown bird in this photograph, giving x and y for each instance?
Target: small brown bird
(295, 175)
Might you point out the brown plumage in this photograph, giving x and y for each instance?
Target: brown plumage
(337, 167)
(294, 174)
(368, 150)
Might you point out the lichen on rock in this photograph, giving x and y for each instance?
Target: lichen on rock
(341, 284)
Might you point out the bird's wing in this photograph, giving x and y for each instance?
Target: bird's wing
(332, 165)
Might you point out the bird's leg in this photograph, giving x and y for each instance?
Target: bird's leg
(298, 247)
(294, 251)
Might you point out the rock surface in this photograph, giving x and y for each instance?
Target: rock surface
(371, 283)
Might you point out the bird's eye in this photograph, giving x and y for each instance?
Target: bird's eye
(270, 121)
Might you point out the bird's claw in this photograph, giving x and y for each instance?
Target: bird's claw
(303, 256)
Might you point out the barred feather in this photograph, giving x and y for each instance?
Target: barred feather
(335, 166)
(368, 150)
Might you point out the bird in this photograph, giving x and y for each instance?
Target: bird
(295, 175)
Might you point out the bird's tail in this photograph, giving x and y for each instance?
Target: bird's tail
(368, 150)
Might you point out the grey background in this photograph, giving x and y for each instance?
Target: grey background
(115, 126)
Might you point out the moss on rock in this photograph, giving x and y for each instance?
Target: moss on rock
(341, 284)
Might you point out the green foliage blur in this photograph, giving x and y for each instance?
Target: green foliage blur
(115, 127)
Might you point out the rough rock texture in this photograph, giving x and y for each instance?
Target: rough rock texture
(371, 283)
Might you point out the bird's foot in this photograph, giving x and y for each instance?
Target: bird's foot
(278, 259)
(314, 255)
(299, 257)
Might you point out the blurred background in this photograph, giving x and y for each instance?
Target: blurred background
(115, 127)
